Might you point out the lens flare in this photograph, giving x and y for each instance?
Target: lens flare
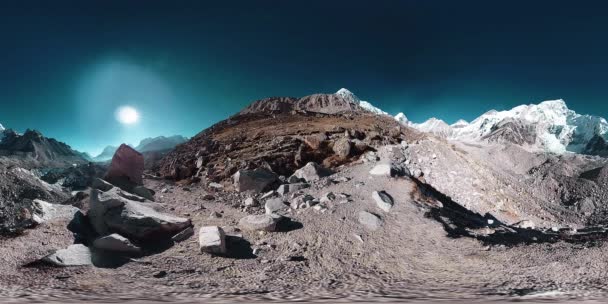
(127, 115)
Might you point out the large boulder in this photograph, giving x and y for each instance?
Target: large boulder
(212, 239)
(263, 222)
(115, 211)
(127, 167)
(257, 180)
(311, 172)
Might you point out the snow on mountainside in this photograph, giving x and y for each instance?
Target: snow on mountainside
(401, 118)
(549, 126)
(348, 95)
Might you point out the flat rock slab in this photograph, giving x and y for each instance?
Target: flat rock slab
(370, 221)
(74, 255)
(212, 239)
(116, 243)
(113, 211)
(383, 200)
(263, 222)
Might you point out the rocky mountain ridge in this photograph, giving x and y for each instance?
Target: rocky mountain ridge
(34, 150)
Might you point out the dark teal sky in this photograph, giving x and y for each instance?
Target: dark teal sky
(65, 66)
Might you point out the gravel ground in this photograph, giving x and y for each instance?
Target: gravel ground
(322, 256)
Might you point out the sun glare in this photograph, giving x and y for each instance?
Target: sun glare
(127, 115)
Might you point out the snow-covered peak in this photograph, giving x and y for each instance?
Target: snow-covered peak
(402, 119)
(435, 126)
(461, 123)
(348, 95)
(2, 128)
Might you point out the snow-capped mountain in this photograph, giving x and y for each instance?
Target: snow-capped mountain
(349, 96)
(549, 126)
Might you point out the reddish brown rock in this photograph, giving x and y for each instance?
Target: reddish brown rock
(126, 164)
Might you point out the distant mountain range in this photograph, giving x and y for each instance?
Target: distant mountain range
(32, 149)
(548, 126)
(152, 144)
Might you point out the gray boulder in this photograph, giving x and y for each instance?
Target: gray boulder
(212, 239)
(311, 172)
(74, 255)
(263, 222)
(383, 200)
(370, 221)
(116, 243)
(257, 180)
(116, 211)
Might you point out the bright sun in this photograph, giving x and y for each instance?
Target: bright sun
(127, 115)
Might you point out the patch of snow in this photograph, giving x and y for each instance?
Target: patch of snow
(402, 119)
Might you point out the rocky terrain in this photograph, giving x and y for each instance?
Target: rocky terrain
(320, 198)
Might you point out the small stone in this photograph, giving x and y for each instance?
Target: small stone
(250, 202)
(215, 215)
(212, 239)
(263, 222)
(216, 186)
(383, 200)
(208, 197)
(160, 274)
(369, 220)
